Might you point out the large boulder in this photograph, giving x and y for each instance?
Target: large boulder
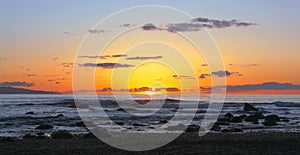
(271, 120)
(192, 128)
(249, 107)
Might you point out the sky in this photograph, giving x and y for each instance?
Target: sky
(40, 39)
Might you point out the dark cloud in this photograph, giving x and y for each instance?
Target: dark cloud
(143, 89)
(118, 55)
(213, 23)
(96, 31)
(90, 57)
(106, 65)
(67, 64)
(69, 33)
(144, 58)
(57, 82)
(54, 59)
(127, 25)
(182, 77)
(197, 24)
(2, 59)
(203, 76)
(255, 87)
(204, 65)
(30, 75)
(16, 83)
(225, 73)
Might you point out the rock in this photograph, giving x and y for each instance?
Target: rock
(42, 137)
(81, 124)
(255, 122)
(120, 123)
(163, 121)
(249, 107)
(224, 119)
(243, 116)
(223, 123)
(266, 123)
(236, 119)
(284, 120)
(61, 135)
(272, 118)
(251, 118)
(259, 115)
(29, 113)
(29, 136)
(40, 133)
(229, 115)
(44, 127)
(8, 124)
(140, 124)
(192, 128)
(232, 130)
(59, 115)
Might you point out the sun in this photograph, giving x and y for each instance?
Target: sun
(150, 93)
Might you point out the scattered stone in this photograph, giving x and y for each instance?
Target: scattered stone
(255, 122)
(81, 124)
(229, 115)
(44, 127)
(249, 107)
(42, 137)
(61, 135)
(30, 113)
(222, 123)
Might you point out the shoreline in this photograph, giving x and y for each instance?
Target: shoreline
(270, 142)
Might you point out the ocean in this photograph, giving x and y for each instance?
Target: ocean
(21, 114)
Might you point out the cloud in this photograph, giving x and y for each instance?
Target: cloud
(182, 77)
(127, 25)
(30, 75)
(256, 87)
(90, 57)
(56, 58)
(67, 64)
(144, 58)
(2, 59)
(106, 65)
(213, 23)
(203, 76)
(197, 24)
(225, 73)
(96, 31)
(69, 33)
(16, 83)
(118, 55)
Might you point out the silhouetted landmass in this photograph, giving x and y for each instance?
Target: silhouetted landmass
(11, 90)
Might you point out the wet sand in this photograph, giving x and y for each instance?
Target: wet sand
(274, 142)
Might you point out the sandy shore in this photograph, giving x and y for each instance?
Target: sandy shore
(189, 143)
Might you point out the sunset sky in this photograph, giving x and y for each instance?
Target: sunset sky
(259, 43)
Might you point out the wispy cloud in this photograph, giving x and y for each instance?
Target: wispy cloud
(182, 77)
(96, 31)
(198, 24)
(30, 75)
(16, 84)
(88, 56)
(256, 87)
(225, 73)
(106, 65)
(69, 33)
(144, 58)
(67, 64)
